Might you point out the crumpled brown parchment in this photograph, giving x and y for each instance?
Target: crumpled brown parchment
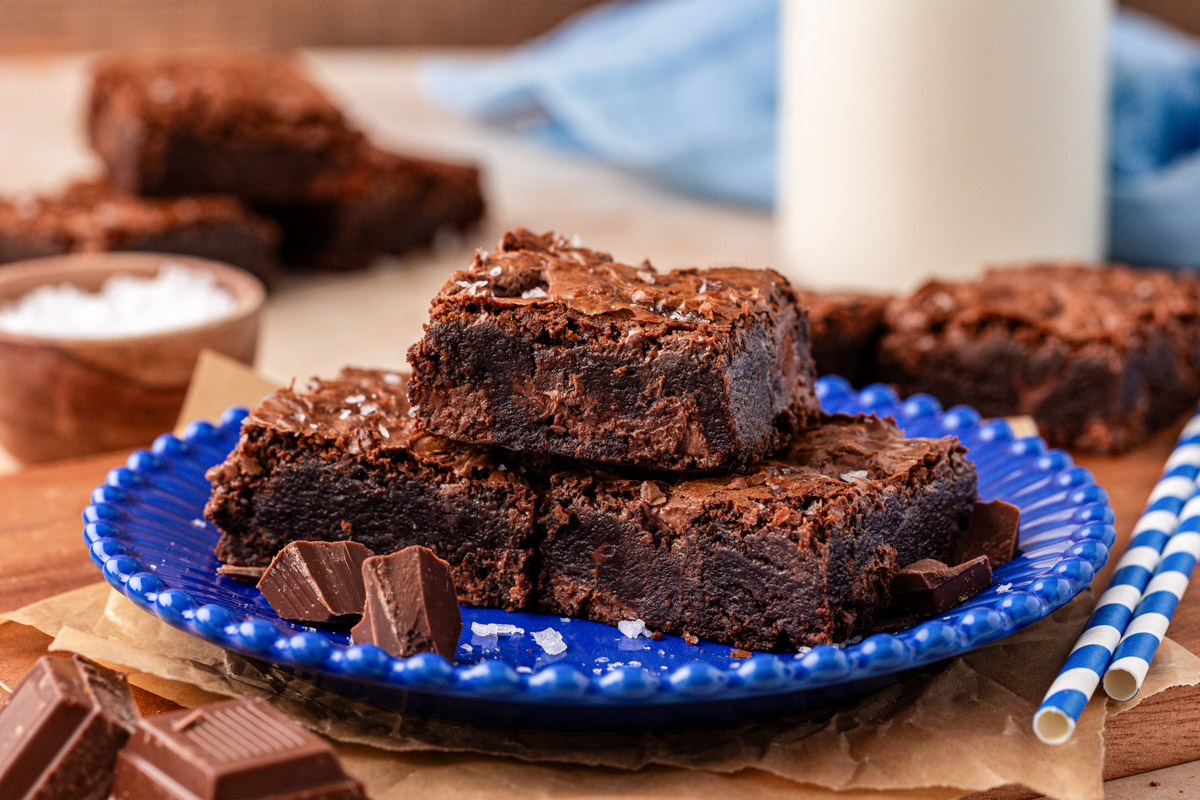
(954, 728)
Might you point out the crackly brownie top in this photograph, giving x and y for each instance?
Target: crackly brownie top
(89, 209)
(530, 270)
(1075, 303)
(840, 457)
(364, 412)
(210, 91)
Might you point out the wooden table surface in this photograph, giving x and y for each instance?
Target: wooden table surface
(314, 324)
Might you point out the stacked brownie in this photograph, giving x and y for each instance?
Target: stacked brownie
(608, 441)
(242, 159)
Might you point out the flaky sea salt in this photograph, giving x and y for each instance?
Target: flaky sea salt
(858, 473)
(535, 292)
(126, 305)
(551, 641)
(392, 379)
(633, 628)
(495, 629)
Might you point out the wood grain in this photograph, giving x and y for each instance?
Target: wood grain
(41, 554)
(65, 25)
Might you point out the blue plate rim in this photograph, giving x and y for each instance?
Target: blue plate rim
(1046, 584)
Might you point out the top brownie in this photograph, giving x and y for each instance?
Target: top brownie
(255, 127)
(544, 346)
(1100, 356)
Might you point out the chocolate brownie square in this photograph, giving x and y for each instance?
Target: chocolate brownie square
(252, 126)
(93, 216)
(799, 550)
(547, 347)
(1100, 357)
(845, 329)
(388, 203)
(343, 461)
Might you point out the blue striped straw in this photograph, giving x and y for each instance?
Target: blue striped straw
(1137, 647)
(1056, 717)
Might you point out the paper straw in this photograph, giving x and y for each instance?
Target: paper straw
(1055, 719)
(1137, 647)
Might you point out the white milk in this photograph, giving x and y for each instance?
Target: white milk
(929, 137)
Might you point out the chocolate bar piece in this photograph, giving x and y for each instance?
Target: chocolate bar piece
(993, 532)
(411, 604)
(316, 581)
(929, 587)
(234, 750)
(61, 730)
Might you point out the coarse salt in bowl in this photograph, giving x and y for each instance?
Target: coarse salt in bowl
(126, 304)
(96, 349)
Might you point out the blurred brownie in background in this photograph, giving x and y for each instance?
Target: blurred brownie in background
(252, 126)
(93, 216)
(1101, 357)
(845, 329)
(388, 203)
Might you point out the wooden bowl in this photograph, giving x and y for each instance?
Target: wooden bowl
(62, 397)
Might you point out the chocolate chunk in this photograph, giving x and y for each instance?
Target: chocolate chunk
(316, 581)
(993, 532)
(411, 605)
(247, 574)
(233, 750)
(930, 587)
(61, 730)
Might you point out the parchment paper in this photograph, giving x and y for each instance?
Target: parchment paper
(957, 727)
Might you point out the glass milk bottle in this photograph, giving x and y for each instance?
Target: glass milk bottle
(928, 138)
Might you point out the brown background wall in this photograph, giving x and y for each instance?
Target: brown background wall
(32, 26)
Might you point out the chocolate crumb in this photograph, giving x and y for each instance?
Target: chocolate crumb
(690, 639)
(738, 652)
(247, 574)
(651, 494)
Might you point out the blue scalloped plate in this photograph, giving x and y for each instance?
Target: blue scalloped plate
(144, 530)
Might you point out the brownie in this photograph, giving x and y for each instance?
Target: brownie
(1099, 357)
(547, 347)
(388, 203)
(252, 126)
(344, 461)
(798, 551)
(93, 216)
(845, 329)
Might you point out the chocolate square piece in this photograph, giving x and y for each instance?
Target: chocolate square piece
(547, 347)
(251, 126)
(994, 532)
(929, 587)
(799, 550)
(61, 730)
(92, 217)
(411, 606)
(234, 750)
(316, 581)
(1100, 356)
(344, 461)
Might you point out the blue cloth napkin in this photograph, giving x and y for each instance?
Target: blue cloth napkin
(685, 91)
